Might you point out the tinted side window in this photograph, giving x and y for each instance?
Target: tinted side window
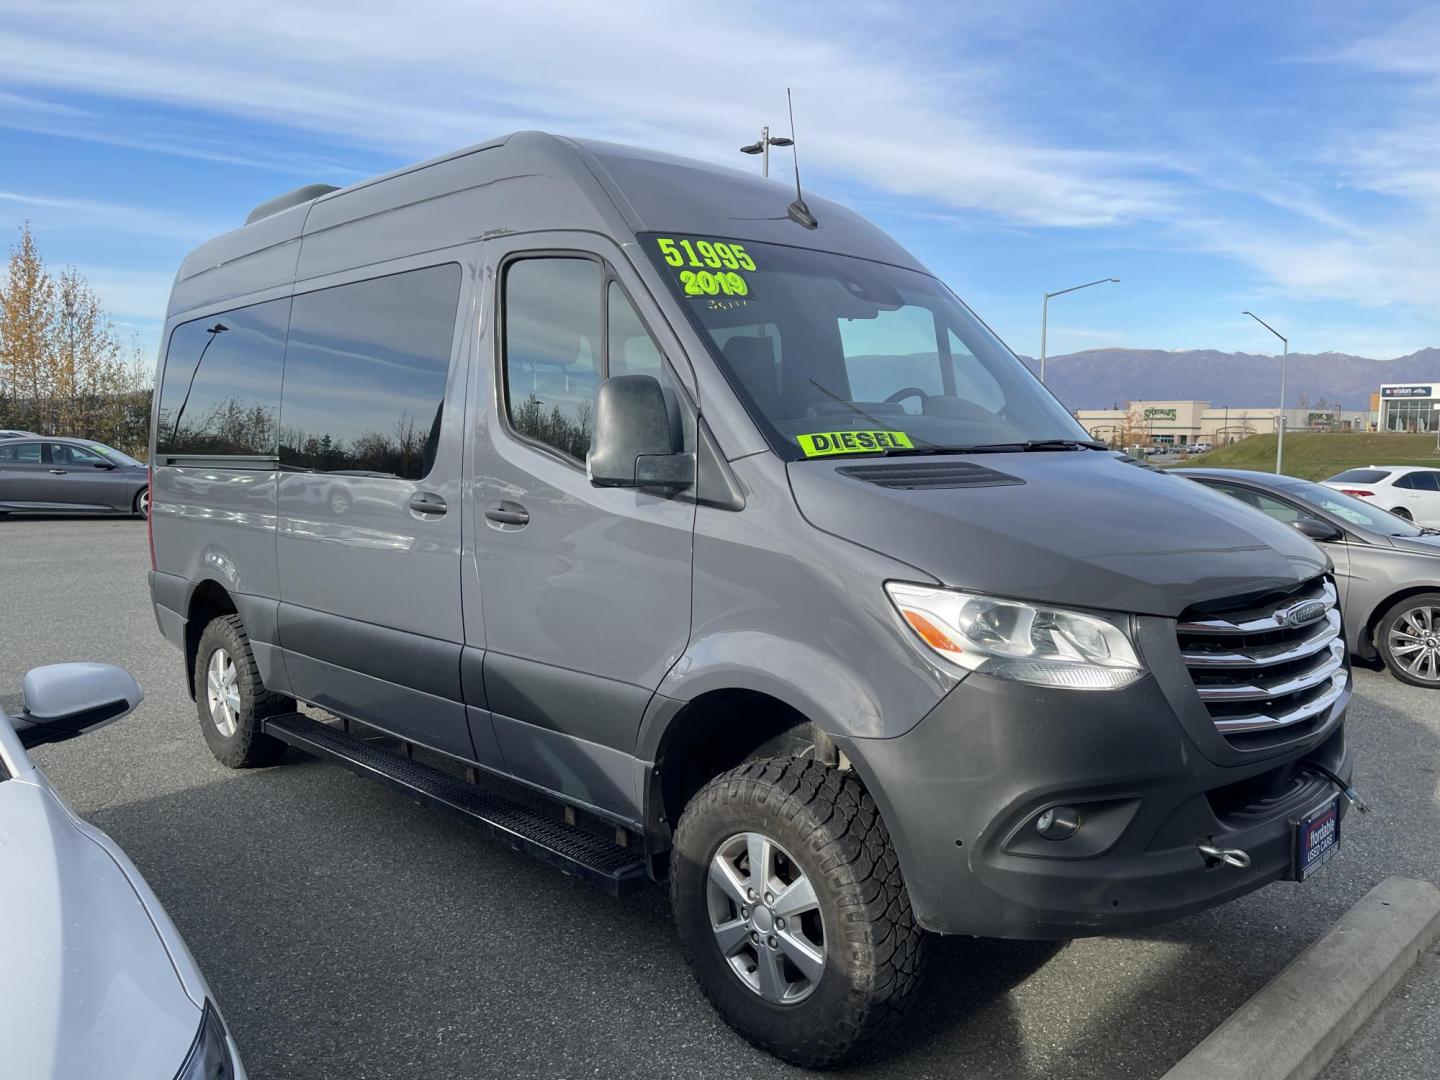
(632, 350)
(65, 454)
(20, 454)
(553, 341)
(365, 373)
(221, 389)
(1421, 481)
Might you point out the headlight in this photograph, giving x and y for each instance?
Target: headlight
(209, 1057)
(1013, 640)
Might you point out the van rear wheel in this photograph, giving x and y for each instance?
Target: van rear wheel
(231, 700)
(792, 911)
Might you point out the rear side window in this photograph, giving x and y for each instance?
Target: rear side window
(1419, 481)
(1359, 476)
(365, 374)
(20, 454)
(221, 390)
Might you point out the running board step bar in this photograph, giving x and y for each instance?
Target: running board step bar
(620, 871)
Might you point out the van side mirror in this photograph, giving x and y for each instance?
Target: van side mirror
(636, 443)
(63, 701)
(1322, 531)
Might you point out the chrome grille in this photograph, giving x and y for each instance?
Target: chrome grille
(1269, 666)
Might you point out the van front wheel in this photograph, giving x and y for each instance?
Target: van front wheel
(791, 908)
(231, 699)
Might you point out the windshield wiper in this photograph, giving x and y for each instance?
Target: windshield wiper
(1063, 444)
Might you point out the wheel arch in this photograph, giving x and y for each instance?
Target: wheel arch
(697, 740)
(1384, 607)
(208, 600)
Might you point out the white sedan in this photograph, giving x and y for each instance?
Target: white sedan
(1409, 491)
(98, 982)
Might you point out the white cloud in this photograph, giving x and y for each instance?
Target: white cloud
(110, 217)
(689, 78)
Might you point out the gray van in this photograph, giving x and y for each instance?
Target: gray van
(672, 529)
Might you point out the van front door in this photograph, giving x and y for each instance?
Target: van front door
(585, 590)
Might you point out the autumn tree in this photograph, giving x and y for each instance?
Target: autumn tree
(63, 368)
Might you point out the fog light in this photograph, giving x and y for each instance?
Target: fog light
(1058, 823)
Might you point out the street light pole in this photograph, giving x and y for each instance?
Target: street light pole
(1045, 315)
(763, 148)
(1284, 363)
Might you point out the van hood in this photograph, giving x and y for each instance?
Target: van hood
(1083, 528)
(88, 988)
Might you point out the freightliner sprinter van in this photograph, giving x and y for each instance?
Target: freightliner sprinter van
(675, 530)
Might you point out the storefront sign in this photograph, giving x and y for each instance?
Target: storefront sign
(1159, 414)
(1407, 391)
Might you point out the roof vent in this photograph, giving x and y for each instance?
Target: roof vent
(930, 475)
(301, 195)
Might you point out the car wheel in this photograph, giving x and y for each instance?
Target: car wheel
(791, 909)
(1401, 512)
(1408, 637)
(231, 700)
(141, 505)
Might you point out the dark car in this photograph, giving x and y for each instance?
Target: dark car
(46, 475)
(1387, 568)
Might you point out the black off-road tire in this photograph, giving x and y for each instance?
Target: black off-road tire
(831, 828)
(247, 746)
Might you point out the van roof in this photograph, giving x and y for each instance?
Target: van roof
(523, 182)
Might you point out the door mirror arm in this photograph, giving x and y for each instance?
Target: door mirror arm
(636, 443)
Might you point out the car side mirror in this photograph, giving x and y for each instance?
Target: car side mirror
(102, 465)
(63, 701)
(636, 443)
(1322, 531)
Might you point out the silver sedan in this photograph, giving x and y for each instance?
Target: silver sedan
(1386, 568)
(49, 475)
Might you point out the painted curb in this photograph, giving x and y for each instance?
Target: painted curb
(1294, 1025)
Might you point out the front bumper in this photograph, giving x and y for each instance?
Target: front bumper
(961, 790)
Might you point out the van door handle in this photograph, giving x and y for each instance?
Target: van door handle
(58, 472)
(507, 513)
(427, 502)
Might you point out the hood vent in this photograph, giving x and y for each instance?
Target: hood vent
(931, 475)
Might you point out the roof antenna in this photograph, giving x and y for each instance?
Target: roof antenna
(798, 211)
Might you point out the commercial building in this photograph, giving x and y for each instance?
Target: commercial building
(1184, 423)
(1409, 406)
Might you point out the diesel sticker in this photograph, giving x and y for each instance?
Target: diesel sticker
(821, 443)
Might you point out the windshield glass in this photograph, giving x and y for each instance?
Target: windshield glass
(117, 456)
(1355, 511)
(837, 355)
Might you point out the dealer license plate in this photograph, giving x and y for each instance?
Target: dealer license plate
(1317, 838)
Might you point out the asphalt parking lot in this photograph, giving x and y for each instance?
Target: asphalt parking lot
(350, 933)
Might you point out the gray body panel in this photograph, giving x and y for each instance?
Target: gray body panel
(98, 982)
(564, 650)
(1371, 569)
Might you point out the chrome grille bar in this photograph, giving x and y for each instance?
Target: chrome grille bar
(1255, 670)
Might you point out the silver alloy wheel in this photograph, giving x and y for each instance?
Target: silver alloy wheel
(222, 691)
(145, 503)
(766, 918)
(1414, 641)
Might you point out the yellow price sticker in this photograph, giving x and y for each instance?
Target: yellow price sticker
(825, 443)
(708, 267)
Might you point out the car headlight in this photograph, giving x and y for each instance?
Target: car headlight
(1009, 639)
(209, 1057)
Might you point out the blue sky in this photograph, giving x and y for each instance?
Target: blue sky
(1283, 156)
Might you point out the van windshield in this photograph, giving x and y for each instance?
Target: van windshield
(838, 355)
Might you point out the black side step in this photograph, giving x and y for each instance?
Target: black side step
(617, 869)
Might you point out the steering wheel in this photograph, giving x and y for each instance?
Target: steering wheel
(909, 391)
